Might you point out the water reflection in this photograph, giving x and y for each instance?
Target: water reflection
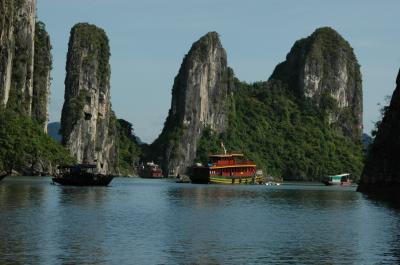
(391, 200)
(18, 196)
(17, 203)
(395, 249)
(279, 225)
(72, 230)
(158, 222)
(85, 196)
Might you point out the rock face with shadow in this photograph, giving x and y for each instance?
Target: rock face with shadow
(25, 60)
(17, 34)
(200, 99)
(324, 68)
(41, 75)
(88, 125)
(382, 167)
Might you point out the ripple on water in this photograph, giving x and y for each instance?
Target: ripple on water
(136, 221)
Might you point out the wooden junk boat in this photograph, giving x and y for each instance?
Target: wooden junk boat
(150, 170)
(226, 168)
(81, 175)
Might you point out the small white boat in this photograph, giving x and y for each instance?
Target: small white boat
(341, 179)
(272, 183)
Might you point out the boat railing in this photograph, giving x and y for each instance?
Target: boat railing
(224, 163)
(230, 163)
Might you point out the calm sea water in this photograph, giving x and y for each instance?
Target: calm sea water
(137, 221)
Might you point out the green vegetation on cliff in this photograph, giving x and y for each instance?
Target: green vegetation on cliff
(128, 148)
(305, 121)
(323, 67)
(41, 74)
(23, 144)
(25, 64)
(74, 109)
(23, 51)
(284, 136)
(88, 48)
(85, 35)
(200, 94)
(382, 168)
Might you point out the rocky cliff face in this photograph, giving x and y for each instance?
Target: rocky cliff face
(87, 121)
(323, 68)
(17, 48)
(6, 48)
(25, 60)
(25, 64)
(21, 85)
(200, 99)
(382, 167)
(41, 76)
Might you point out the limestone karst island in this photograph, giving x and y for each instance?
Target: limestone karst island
(175, 133)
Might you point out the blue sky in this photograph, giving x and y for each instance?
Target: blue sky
(149, 38)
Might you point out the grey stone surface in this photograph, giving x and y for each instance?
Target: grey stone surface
(200, 99)
(87, 121)
(324, 68)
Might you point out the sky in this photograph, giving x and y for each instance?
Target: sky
(149, 39)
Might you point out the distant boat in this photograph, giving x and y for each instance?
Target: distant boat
(272, 183)
(81, 175)
(341, 179)
(150, 170)
(226, 169)
(182, 179)
(269, 180)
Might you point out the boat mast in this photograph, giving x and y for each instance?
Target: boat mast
(223, 146)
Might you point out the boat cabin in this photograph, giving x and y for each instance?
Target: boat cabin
(89, 168)
(339, 178)
(231, 165)
(227, 159)
(226, 168)
(342, 179)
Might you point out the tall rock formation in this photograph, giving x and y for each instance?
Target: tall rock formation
(200, 99)
(87, 121)
(324, 68)
(6, 48)
(382, 167)
(17, 30)
(21, 91)
(41, 76)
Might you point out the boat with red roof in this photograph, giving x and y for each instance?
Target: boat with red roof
(150, 170)
(226, 168)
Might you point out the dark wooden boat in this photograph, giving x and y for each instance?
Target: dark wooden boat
(81, 175)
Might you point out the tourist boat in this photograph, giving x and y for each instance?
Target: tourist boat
(226, 169)
(342, 180)
(150, 170)
(81, 175)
